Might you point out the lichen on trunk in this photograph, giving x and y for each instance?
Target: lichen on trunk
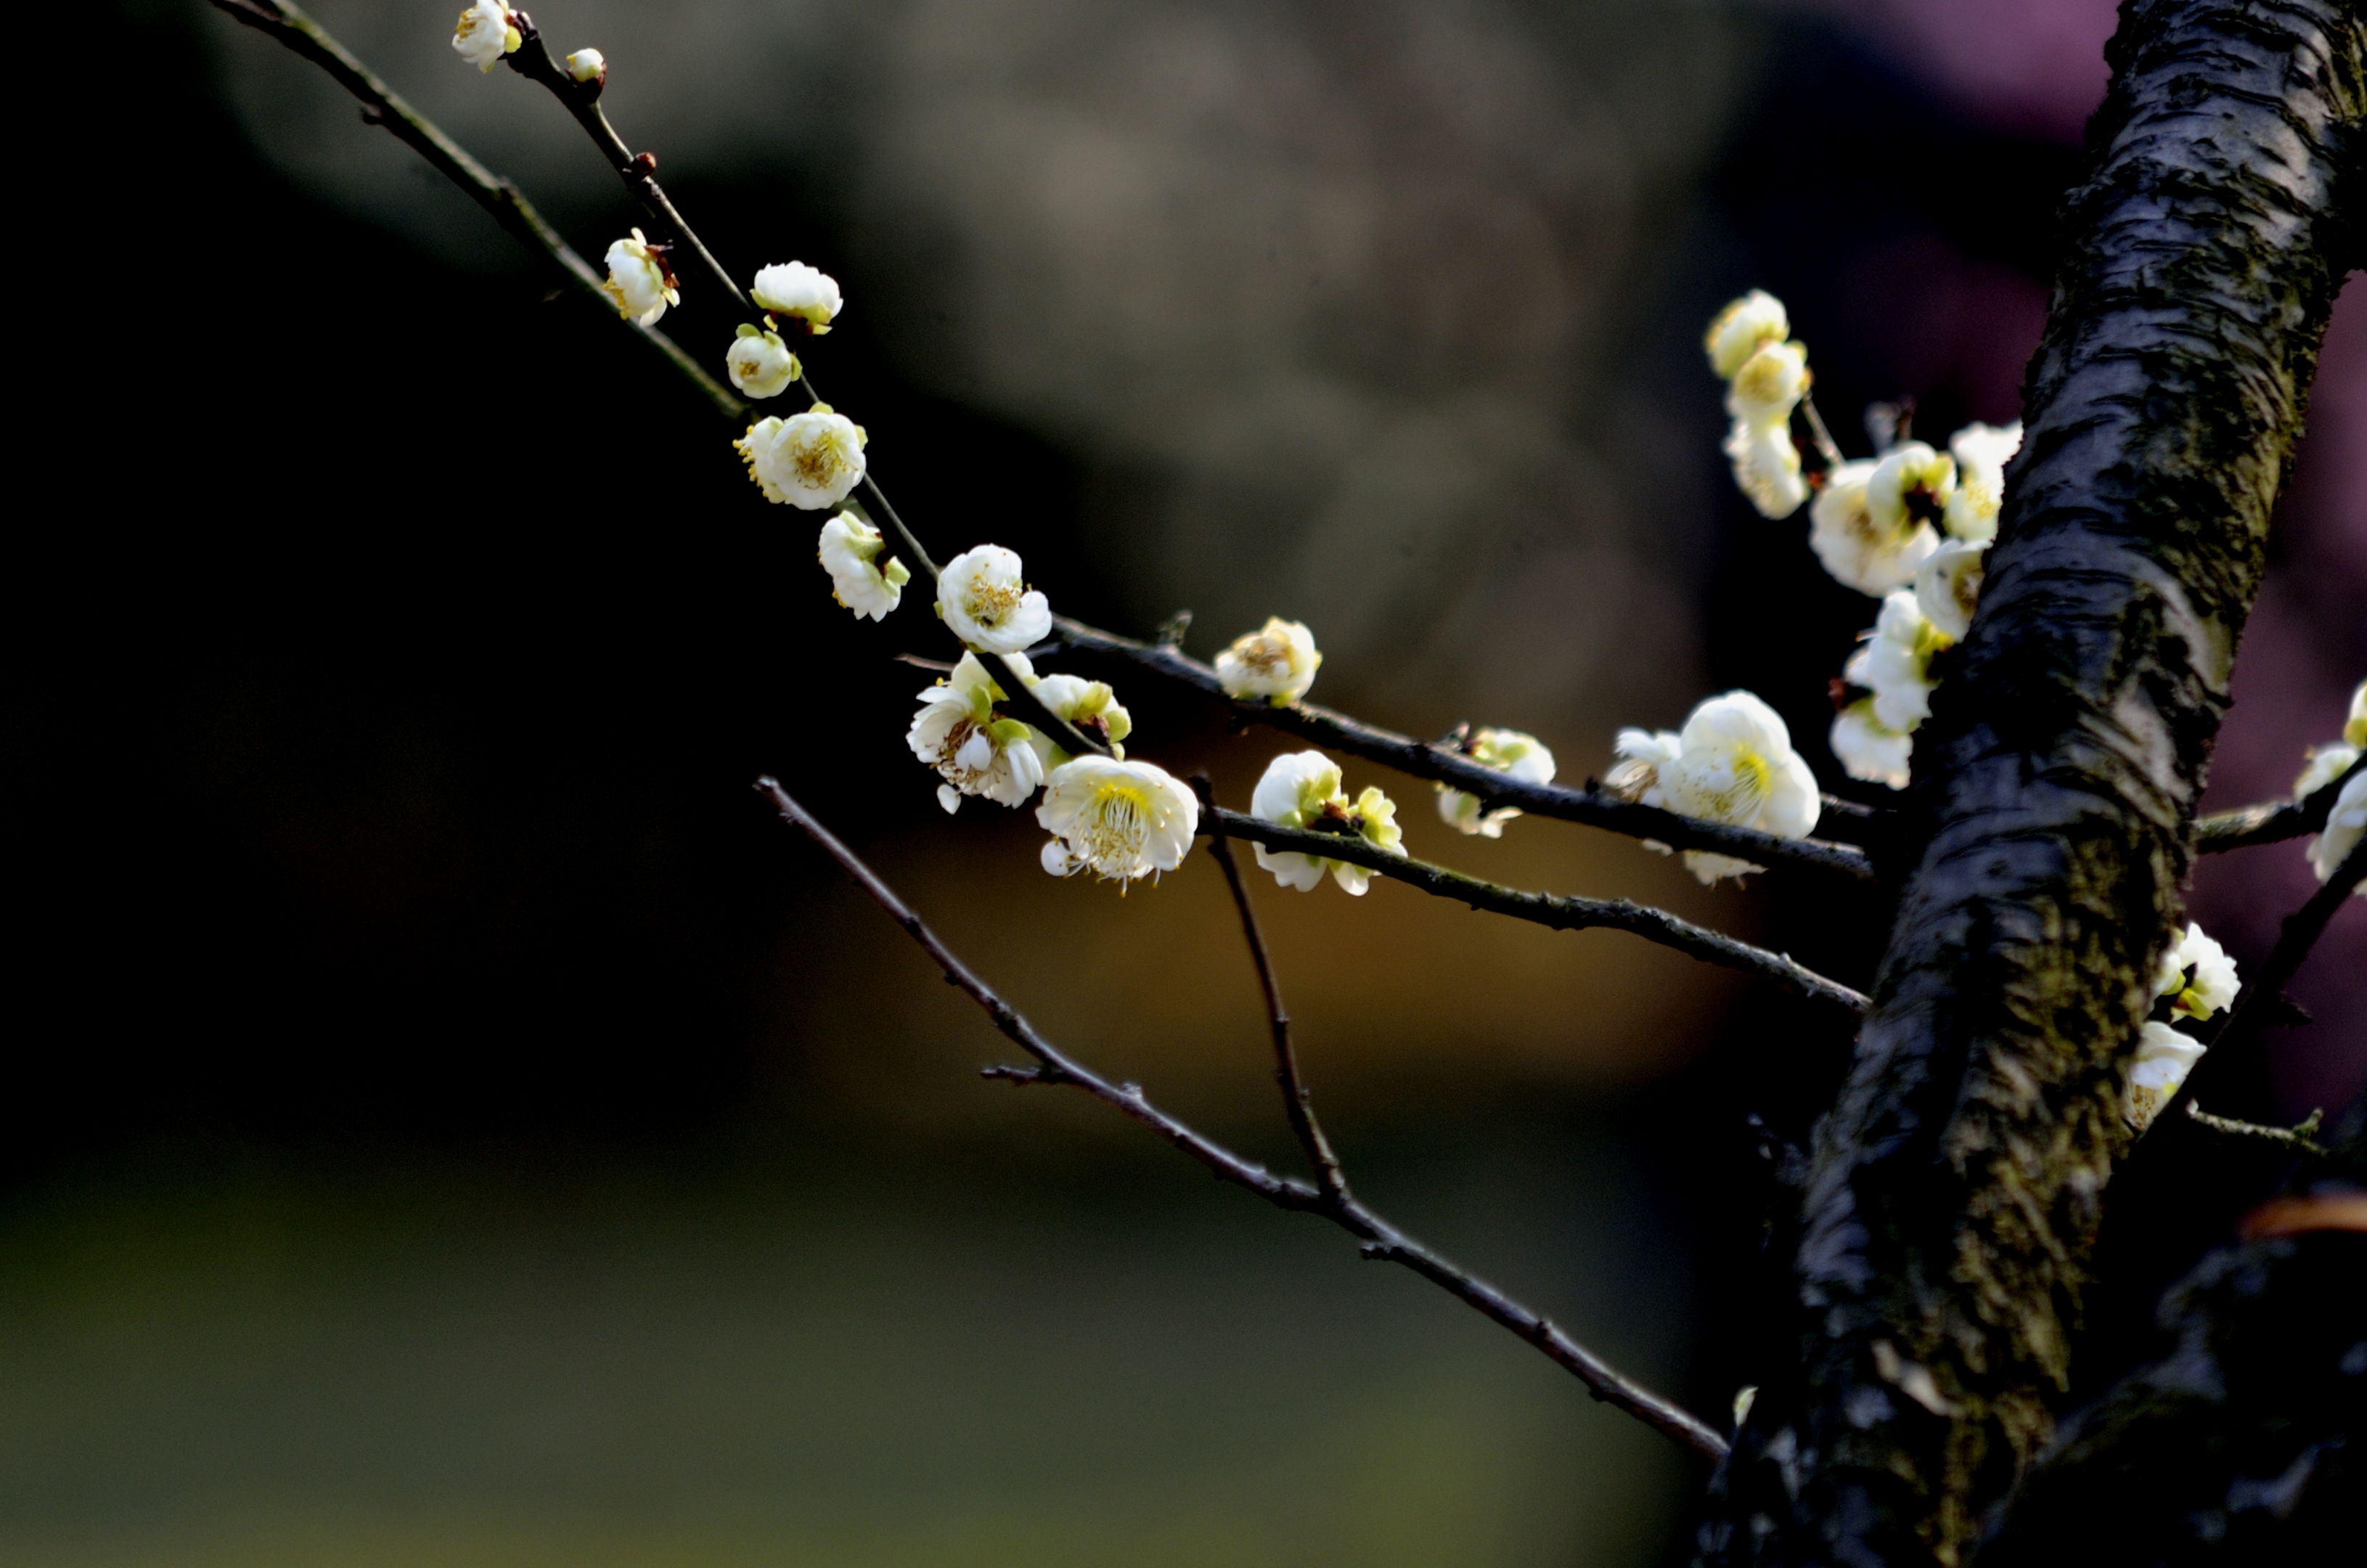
(1956, 1184)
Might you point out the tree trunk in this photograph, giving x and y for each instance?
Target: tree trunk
(1956, 1185)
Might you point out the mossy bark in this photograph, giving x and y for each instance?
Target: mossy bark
(1956, 1185)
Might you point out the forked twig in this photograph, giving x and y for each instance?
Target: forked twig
(2296, 1137)
(2273, 821)
(1381, 1240)
(1297, 1104)
(1561, 912)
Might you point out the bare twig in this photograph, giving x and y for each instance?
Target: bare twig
(1297, 1104)
(2294, 1137)
(2262, 1002)
(1561, 912)
(2273, 821)
(1381, 1240)
(382, 105)
(1433, 760)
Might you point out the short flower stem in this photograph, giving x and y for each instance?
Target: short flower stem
(1561, 912)
(1382, 1241)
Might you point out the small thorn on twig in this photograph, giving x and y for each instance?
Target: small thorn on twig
(1170, 630)
(918, 662)
(1010, 1074)
(373, 115)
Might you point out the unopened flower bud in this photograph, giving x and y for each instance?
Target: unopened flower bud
(793, 288)
(1741, 328)
(587, 65)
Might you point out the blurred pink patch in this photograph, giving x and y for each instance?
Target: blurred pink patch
(2033, 67)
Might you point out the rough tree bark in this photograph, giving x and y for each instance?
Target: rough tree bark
(1956, 1185)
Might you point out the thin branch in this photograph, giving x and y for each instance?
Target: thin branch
(2274, 821)
(1559, 912)
(2296, 1137)
(1382, 1241)
(382, 105)
(2262, 1002)
(1297, 1104)
(1429, 759)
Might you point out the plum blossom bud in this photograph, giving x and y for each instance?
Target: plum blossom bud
(2332, 760)
(1277, 661)
(640, 282)
(2164, 1056)
(809, 461)
(1770, 385)
(1509, 752)
(2197, 974)
(1980, 450)
(1868, 749)
(1741, 329)
(1732, 763)
(1302, 790)
(2354, 727)
(1089, 706)
(1766, 466)
(1861, 550)
(1894, 663)
(760, 363)
(793, 288)
(486, 31)
(1948, 584)
(587, 65)
(984, 600)
(957, 732)
(2344, 827)
(850, 553)
(1119, 819)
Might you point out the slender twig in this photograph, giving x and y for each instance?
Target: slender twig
(1827, 448)
(1433, 760)
(2272, 821)
(1297, 1104)
(2262, 1002)
(382, 105)
(1559, 912)
(2294, 1137)
(1382, 1241)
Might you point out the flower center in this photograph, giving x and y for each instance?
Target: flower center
(818, 460)
(1117, 828)
(989, 603)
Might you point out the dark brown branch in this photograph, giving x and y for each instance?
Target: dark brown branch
(290, 27)
(2274, 822)
(1296, 1104)
(1429, 759)
(1558, 911)
(1381, 1240)
(2262, 1002)
(1949, 1218)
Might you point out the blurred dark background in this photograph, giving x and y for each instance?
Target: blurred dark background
(449, 1122)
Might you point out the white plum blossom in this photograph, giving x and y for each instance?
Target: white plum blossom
(1894, 663)
(1302, 790)
(984, 599)
(793, 288)
(2164, 1056)
(2327, 764)
(809, 461)
(1869, 749)
(2197, 973)
(1277, 662)
(2345, 825)
(1948, 585)
(1860, 550)
(1909, 483)
(1090, 705)
(1119, 820)
(850, 552)
(1980, 450)
(1742, 328)
(640, 282)
(587, 65)
(1770, 385)
(1509, 752)
(956, 732)
(1732, 763)
(1766, 466)
(486, 31)
(760, 364)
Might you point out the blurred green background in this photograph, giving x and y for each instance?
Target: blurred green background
(448, 1121)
